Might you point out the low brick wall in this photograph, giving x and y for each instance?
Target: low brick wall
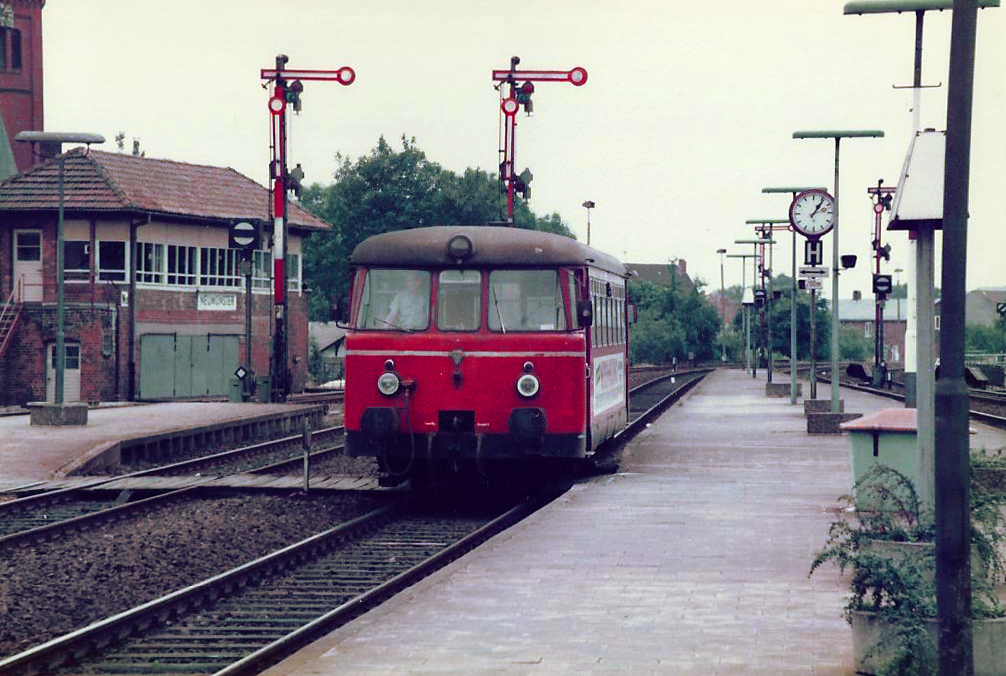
(45, 413)
(828, 423)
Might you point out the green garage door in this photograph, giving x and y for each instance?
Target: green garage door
(175, 367)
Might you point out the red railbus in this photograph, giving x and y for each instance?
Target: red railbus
(476, 347)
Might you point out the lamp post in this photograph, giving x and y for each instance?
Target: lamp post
(952, 455)
(838, 136)
(793, 361)
(756, 268)
(748, 364)
(588, 205)
(723, 308)
(918, 351)
(764, 228)
(54, 141)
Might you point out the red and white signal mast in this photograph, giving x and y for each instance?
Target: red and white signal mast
(286, 89)
(510, 103)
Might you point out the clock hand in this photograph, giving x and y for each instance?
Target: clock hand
(819, 203)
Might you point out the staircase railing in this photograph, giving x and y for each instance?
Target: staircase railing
(9, 316)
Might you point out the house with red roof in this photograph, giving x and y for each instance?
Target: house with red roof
(155, 299)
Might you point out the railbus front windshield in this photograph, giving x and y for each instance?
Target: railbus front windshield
(522, 300)
(395, 299)
(526, 300)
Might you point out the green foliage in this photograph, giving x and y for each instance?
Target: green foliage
(900, 587)
(988, 339)
(390, 190)
(853, 345)
(779, 315)
(673, 323)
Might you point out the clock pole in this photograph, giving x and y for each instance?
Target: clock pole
(838, 136)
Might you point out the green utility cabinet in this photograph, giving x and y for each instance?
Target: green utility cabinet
(888, 437)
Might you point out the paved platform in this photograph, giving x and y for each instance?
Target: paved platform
(30, 453)
(692, 560)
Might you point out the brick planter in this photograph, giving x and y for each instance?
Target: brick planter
(821, 406)
(989, 644)
(779, 389)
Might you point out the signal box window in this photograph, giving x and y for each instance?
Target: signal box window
(76, 259)
(395, 299)
(112, 261)
(459, 296)
(526, 300)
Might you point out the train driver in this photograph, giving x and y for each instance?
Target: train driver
(410, 306)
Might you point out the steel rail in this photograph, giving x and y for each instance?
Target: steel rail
(98, 635)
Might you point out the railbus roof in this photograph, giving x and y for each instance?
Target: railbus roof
(489, 246)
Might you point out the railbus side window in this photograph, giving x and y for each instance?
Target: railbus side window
(459, 295)
(526, 300)
(395, 299)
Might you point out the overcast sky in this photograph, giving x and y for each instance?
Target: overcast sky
(687, 114)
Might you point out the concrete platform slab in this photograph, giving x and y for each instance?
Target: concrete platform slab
(33, 453)
(692, 560)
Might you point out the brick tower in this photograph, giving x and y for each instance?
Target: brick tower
(20, 77)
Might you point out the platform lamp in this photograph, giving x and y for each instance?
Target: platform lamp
(588, 205)
(51, 141)
(745, 303)
(723, 307)
(947, 398)
(838, 135)
(754, 283)
(793, 361)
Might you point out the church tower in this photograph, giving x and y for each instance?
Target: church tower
(20, 79)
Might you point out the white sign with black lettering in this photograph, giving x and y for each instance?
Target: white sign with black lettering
(217, 302)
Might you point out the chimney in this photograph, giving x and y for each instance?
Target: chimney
(682, 266)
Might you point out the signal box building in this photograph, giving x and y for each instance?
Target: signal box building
(154, 297)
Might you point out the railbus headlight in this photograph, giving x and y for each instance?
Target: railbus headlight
(388, 384)
(528, 385)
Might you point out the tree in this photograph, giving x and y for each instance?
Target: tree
(673, 323)
(390, 190)
(988, 339)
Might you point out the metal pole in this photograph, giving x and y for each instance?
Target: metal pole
(813, 341)
(60, 344)
(834, 294)
(793, 361)
(953, 526)
(754, 285)
(768, 308)
(249, 378)
(838, 136)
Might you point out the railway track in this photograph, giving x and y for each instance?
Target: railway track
(50, 513)
(249, 617)
(234, 618)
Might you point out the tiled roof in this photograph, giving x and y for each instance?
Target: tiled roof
(109, 182)
(661, 274)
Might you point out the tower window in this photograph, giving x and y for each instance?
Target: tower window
(10, 49)
(15, 50)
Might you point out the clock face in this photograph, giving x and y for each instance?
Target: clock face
(813, 212)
